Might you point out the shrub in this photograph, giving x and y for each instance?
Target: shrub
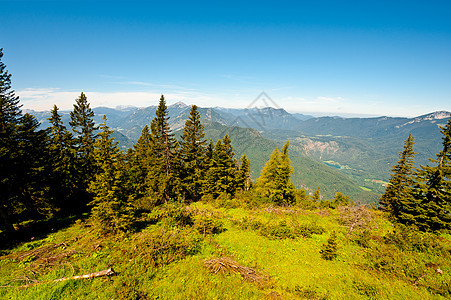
(205, 224)
(329, 250)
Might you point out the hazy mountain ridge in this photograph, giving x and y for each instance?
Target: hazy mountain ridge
(361, 148)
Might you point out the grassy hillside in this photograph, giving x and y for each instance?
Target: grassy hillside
(208, 252)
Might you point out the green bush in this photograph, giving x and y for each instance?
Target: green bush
(206, 225)
(329, 250)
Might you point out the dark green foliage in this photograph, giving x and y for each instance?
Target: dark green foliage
(172, 214)
(244, 181)
(432, 205)
(111, 210)
(222, 170)
(275, 179)
(23, 177)
(329, 250)
(192, 155)
(62, 161)
(397, 199)
(162, 178)
(83, 125)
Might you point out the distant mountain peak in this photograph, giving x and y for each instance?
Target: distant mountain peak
(436, 115)
(179, 104)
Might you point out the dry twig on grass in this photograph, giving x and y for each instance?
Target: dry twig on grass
(226, 265)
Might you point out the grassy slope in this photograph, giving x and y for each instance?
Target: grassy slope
(295, 265)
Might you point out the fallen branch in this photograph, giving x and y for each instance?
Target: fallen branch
(107, 272)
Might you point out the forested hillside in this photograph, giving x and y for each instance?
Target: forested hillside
(200, 209)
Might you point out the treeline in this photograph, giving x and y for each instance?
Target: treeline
(421, 197)
(60, 171)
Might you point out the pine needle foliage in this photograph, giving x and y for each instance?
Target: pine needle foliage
(397, 199)
(192, 155)
(111, 210)
(275, 178)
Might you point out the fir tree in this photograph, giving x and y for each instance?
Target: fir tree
(83, 125)
(316, 197)
(111, 210)
(329, 250)
(23, 184)
(431, 209)
(140, 164)
(275, 178)
(221, 174)
(162, 178)
(61, 162)
(10, 118)
(397, 199)
(244, 181)
(192, 155)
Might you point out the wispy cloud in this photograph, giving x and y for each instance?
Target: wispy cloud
(44, 99)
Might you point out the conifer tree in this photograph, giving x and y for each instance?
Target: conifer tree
(83, 125)
(432, 193)
(162, 178)
(140, 164)
(316, 197)
(221, 175)
(397, 198)
(329, 250)
(244, 181)
(10, 117)
(22, 157)
(111, 210)
(192, 155)
(275, 178)
(61, 161)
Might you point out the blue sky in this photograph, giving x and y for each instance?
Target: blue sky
(326, 57)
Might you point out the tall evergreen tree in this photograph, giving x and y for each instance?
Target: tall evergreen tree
(192, 155)
(83, 125)
(62, 163)
(140, 163)
(10, 118)
(162, 178)
(111, 210)
(397, 198)
(433, 189)
(22, 156)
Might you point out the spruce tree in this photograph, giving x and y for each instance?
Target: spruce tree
(244, 181)
(275, 178)
(397, 198)
(61, 162)
(192, 155)
(432, 193)
(140, 164)
(163, 178)
(83, 125)
(23, 184)
(10, 118)
(222, 171)
(111, 210)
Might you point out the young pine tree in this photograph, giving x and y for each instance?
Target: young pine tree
(111, 210)
(275, 178)
(192, 154)
(221, 174)
(329, 250)
(397, 199)
(244, 181)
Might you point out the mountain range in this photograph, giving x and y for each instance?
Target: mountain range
(350, 155)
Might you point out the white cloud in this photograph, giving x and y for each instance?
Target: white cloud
(44, 99)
